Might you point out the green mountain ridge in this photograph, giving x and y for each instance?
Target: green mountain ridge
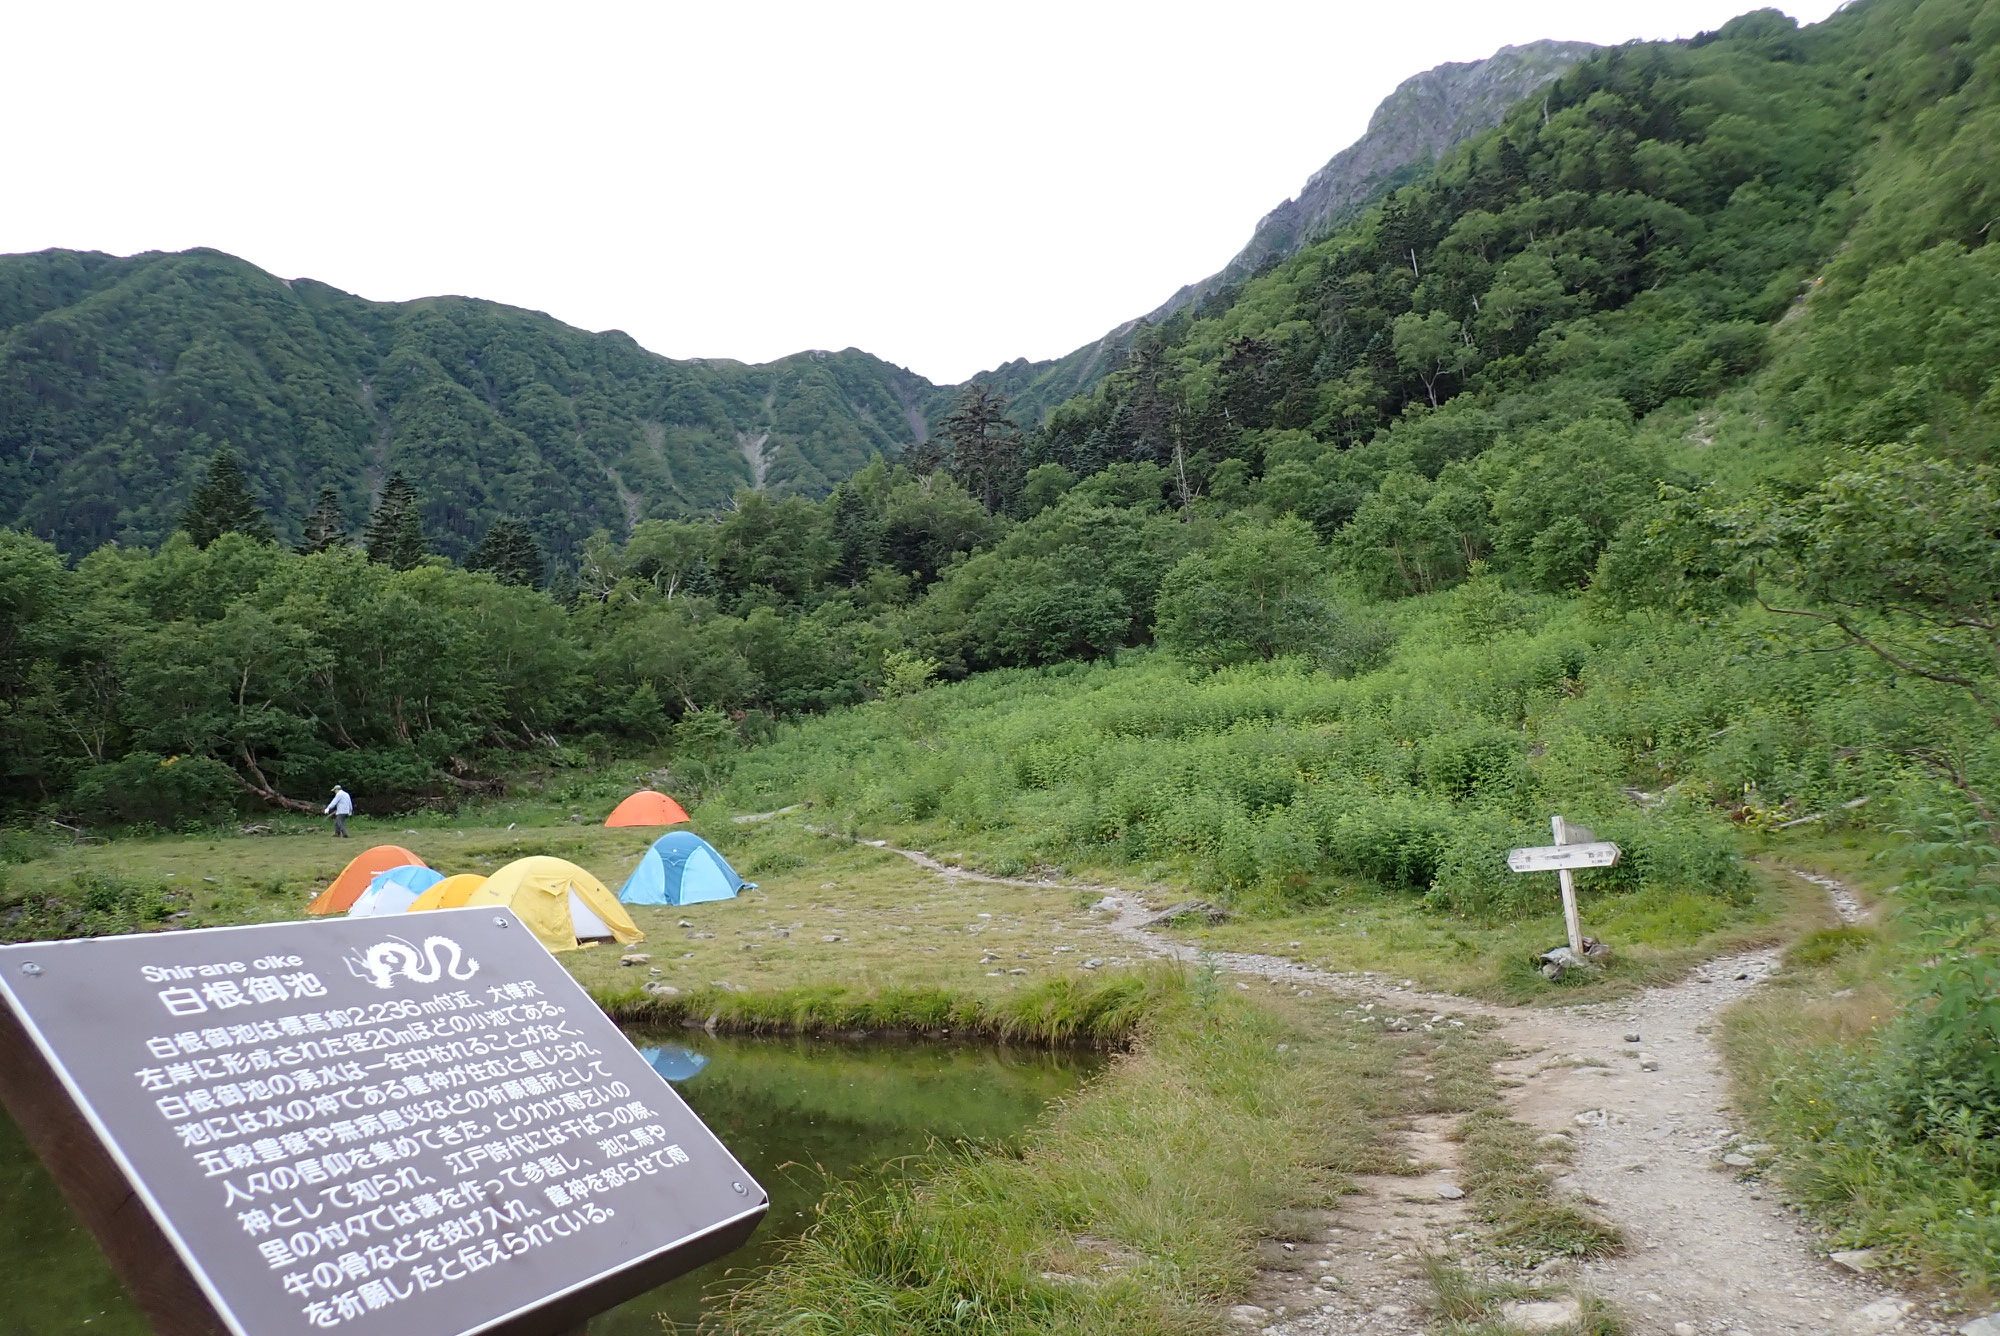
(1426, 116)
(119, 378)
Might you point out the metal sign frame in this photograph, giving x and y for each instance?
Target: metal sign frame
(164, 1271)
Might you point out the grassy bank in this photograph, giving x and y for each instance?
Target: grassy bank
(1137, 1206)
(1843, 1069)
(1055, 1013)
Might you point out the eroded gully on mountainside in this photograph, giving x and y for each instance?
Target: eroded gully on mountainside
(1710, 1251)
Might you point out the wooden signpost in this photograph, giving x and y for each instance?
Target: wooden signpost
(1576, 846)
(417, 1128)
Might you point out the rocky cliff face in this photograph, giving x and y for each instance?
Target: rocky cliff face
(1427, 115)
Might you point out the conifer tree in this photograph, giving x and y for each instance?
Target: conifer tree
(857, 536)
(222, 503)
(326, 527)
(982, 444)
(510, 553)
(395, 533)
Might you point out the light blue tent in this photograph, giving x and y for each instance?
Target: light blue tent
(681, 869)
(673, 1061)
(395, 890)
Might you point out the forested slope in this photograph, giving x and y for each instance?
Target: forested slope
(1426, 115)
(119, 378)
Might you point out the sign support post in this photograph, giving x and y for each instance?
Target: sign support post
(1576, 846)
(1571, 919)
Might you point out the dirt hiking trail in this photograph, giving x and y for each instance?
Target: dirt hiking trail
(1710, 1251)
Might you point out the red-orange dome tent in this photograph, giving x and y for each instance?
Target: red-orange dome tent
(647, 808)
(354, 878)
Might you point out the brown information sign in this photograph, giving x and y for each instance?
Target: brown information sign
(380, 1127)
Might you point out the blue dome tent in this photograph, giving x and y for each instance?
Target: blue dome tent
(681, 869)
(395, 890)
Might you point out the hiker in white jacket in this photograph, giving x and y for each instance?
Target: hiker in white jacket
(342, 807)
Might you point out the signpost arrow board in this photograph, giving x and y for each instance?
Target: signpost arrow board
(384, 1128)
(1554, 857)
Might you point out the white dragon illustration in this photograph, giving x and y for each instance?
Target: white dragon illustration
(380, 963)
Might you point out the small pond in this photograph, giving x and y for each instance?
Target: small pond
(792, 1110)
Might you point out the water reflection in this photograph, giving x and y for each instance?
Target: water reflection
(676, 1062)
(794, 1111)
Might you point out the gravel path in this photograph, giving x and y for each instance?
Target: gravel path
(1712, 1252)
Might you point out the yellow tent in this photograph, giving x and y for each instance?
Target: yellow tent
(449, 893)
(561, 903)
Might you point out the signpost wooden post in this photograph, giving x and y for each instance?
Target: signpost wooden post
(381, 1127)
(1575, 846)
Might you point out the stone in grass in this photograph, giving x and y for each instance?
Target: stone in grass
(1859, 1260)
(662, 990)
(1186, 909)
(636, 958)
(1541, 1314)
(1092, 963)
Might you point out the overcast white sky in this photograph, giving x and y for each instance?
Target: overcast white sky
(947, 185)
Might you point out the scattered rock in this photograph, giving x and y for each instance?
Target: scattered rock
(1648, 1063)
(1632, 1038)
(636, 958)
(1329, 1282)
(1735, 1161)
(1092, 963)
(1248, 1315)
(831, 937)
(662, 990)
(685, 923)
(1017, 971)
(1186, 909)
(1541, 1315)
(1878, 1316)
(1451, 1191)
(1858, 1260)
(699, 936)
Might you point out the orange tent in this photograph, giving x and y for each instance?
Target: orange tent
(354, 878)
(647, 808)
(449, 893)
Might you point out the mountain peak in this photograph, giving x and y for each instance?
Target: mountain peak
(1423, 118)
